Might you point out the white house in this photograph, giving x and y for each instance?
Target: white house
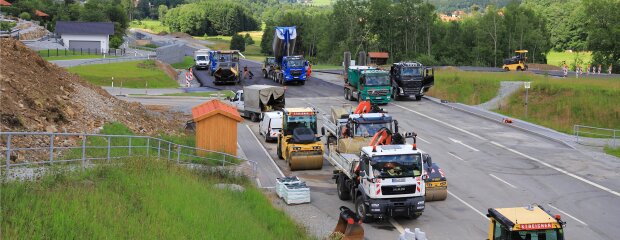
(85, 36)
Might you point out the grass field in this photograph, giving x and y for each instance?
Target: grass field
(613, 151)
(62, 54)
(140, 199)
(153, 26)
(187, 62)
(132, 74)
(556, 58)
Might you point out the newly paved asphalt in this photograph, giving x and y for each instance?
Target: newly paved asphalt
(487, 163)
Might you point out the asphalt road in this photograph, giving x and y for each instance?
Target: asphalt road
(313, 87)
(488, 164)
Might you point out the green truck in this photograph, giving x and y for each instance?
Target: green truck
(364, 83)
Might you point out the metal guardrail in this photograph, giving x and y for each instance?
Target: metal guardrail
(87, 149)
(596, 136)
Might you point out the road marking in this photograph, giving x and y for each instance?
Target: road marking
(457, 157)
(571, 216)
(397, 225)
(560, 170)
(460, 142)
(467, 204)
(258, 183)
(501, 180)
(442, 122)
(429, 143)
(265, 150)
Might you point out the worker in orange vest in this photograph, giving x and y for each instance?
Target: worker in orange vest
(309, 70)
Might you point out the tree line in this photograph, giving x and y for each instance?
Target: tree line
(211, 18)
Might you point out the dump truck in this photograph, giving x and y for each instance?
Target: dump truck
(254, 100)
(298, 143)
(411, 79)
(358, 126)
(226, 68)
(530, 222)
(517, 62)
(367, 83)
(285, 68)
(201, 59)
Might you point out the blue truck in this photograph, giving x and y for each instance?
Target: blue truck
(283, 67)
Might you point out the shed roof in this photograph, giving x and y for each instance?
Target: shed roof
(212, 107)
(85, 28)
(378, 55)
(4, 3)
(40, 13)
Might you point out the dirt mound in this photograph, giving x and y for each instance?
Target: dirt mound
(36, 95)
(181, 35)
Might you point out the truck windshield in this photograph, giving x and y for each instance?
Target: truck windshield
(548, 234)
(396, 166)
(201, 58)
(377, 80)
(225, 57)
(293, 122)
(369, 129)
(296, 63)
(411, 71)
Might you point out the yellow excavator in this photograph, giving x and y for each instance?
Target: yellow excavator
(530, 222)
(298, 142)
(517, 62)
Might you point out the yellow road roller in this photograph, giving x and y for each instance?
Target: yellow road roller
(298, 143)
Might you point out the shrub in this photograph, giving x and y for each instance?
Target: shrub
(116, 42)
(237, 42)
(6, 26)
(25, 16)
(248, 39)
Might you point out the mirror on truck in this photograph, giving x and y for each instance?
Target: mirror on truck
(363, 174)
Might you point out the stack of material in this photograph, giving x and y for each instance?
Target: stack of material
(292, 190)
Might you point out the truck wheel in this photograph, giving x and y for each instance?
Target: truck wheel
(279, 151)
(346, 94)
(507, 69)
(264, 73)
(303, 83)
(254, 117)
(418, 97)
(361, 209)
(344, 193)
(518, 68)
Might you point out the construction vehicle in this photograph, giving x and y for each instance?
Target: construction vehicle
(517, 62)
(349, 226)
(298, 142)
(254, 100)
(227, 67)
(530, 222)
(285, 68)
(367, 83)
(358, 126)
(201, 59)
(384, 178)
(411, 79)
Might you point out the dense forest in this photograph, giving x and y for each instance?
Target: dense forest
(212, 18)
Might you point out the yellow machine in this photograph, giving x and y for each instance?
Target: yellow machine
(528, 223)
(298, 143)
(516, 63)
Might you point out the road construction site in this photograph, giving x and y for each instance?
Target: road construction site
(487, 163)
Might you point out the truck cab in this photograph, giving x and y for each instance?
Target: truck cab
(365, 83)
(530, 222)
(226, 67)
(411, 79)
(268, 65)
(294, 69)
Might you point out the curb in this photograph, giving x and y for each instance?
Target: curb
(169, 97)
(437, 101)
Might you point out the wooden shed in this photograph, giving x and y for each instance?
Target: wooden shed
(216, 126)
(378, 58)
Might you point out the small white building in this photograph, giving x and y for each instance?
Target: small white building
(85, 36)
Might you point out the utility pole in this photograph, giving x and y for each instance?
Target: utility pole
(527, 87)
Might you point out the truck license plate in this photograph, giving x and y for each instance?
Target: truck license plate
(377, 97)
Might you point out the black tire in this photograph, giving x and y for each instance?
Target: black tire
(279, 151)
(344, 193)
(346, 94)
(265, 137)
(254, 117)
(302, 83)
(361, 209)
(418, 97)
(507, 69)
(265, 73)
(519, 68)
(413, 216)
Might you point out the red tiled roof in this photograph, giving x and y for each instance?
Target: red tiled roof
(213, 107)
(378, 55)
(4, 3)
(39, 13)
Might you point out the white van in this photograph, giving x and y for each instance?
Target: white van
(201, 59)
(270, 125)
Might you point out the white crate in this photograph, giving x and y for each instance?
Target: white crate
(292, 190)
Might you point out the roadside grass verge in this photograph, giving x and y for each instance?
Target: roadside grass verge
(224, 94)
(133, 74)
(63, 54)
(326, 67)
(188, 61)
(562, 103)
(140, 199)
(556, 58)
(153, 26)
(612, 151)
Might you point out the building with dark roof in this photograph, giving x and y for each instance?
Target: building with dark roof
(85, 36)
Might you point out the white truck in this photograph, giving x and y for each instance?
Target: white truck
(254, 100)
(201, 59)
(384, 176)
